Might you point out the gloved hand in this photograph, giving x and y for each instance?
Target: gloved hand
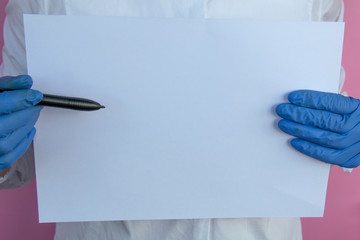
(326, 125)
(18, 115)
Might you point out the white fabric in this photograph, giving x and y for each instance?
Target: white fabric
(204, 229)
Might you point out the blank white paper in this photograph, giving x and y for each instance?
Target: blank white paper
(189, 129)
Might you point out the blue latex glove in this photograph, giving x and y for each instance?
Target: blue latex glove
(18, 115)
(326, 125)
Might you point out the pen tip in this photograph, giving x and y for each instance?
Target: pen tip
(101, 106)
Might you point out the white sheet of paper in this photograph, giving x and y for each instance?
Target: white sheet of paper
(189, 129)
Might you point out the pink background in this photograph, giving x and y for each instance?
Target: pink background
(18, 208)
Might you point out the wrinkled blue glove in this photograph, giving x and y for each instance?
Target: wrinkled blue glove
(326, 125)
(18, 115)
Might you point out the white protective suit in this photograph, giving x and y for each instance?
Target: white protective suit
(14, 63)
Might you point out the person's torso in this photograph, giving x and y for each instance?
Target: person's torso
(204, 229)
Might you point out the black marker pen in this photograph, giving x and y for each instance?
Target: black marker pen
(70, 103)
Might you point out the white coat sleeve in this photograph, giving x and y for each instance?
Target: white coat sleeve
(332, 10)
(14, 63)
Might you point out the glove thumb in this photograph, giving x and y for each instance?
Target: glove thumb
(17, 82)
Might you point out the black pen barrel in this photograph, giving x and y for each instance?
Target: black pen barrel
(70, 102)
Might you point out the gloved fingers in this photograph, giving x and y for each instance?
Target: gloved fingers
(314, 117)
(320, 136)
(325, 101)
(9, 142)
(349, 157)
(8, 159)
(353, 162)
(17, 82)
(18, 100)
(13, 121)
(344, 158)
(321, 153)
